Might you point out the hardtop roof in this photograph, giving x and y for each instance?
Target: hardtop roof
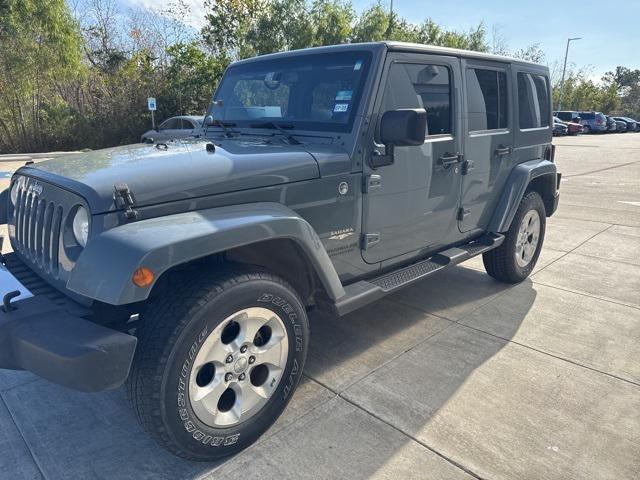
(396, 47)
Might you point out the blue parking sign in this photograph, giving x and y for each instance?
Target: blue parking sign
(151, 102)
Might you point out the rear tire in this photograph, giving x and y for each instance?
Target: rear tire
(202, 407)
(515, 259)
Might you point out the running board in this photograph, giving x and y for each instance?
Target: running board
(366, 291)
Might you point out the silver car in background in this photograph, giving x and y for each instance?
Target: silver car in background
(175, 127)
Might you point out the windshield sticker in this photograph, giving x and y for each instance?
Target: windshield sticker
(341, 107)
(344, 95)
(272, 111)
(358, 65)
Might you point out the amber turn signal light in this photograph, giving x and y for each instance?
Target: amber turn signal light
(142, 277)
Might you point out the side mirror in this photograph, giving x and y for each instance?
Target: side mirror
(400, 128)
(403, 128)
(208, 120)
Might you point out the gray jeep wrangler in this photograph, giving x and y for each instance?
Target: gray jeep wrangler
(323, 178)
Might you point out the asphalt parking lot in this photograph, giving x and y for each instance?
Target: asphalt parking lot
(456, 377)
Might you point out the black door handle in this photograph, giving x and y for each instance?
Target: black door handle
(502, 151)
(448, 159)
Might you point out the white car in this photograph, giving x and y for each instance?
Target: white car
(174, 127)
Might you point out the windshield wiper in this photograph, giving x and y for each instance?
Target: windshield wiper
(223, 125)
(282, 128)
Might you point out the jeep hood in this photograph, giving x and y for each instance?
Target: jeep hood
(182, 170)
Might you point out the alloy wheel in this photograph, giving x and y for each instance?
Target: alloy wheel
(528, 238)
(238, 367)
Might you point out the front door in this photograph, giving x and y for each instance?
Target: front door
(411, 205)
(489, 140)
(169, 129)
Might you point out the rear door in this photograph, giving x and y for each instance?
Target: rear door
(411, 204)
(489, 140)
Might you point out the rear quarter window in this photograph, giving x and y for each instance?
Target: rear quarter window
(534, 101)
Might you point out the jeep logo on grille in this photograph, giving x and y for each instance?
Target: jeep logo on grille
(35, 187)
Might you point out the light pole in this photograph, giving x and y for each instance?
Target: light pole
(564, 70)
(390, 26)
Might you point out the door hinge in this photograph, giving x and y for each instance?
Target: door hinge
(368, 240)
(466, 167)
(124, 200)
(462, 213)
(369, 182)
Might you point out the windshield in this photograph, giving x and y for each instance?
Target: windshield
(305, 92)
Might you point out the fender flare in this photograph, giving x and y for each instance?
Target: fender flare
(104, 269)
(515, 188)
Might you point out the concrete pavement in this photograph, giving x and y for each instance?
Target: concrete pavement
(456, 377)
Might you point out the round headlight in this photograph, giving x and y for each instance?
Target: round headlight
(14, 193)
(81, 226)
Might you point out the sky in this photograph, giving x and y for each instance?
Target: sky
(610, 30)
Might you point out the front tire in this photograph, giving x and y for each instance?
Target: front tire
(515, 259)
(217, 362)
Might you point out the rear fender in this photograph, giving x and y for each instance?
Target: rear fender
(519, 179)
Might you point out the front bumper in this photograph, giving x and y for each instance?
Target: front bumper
(43, 337)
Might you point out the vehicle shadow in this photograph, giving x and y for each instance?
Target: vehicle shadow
(401, 360)
(76, 435)
(343, 349)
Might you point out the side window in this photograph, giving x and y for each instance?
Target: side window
(411, 85)
(487, 99)
(187, 125)
(170, 124)
(534, 102)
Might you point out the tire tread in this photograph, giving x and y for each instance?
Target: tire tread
(156, 337)
(499, 262)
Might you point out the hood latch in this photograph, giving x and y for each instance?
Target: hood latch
(124, 200)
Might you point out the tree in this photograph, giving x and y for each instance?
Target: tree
(626, 83)
(533, 53)
(74, 82)
(103, 44)
(282, 25)
(372, 25)
(331, 20)
(433, 34)
(191, 78)
(581, 92)
(622, 77)
(375, 24)
(39, 50)
(499, 44)
(228, 22)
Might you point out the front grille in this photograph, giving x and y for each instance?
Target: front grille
(37, 224)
